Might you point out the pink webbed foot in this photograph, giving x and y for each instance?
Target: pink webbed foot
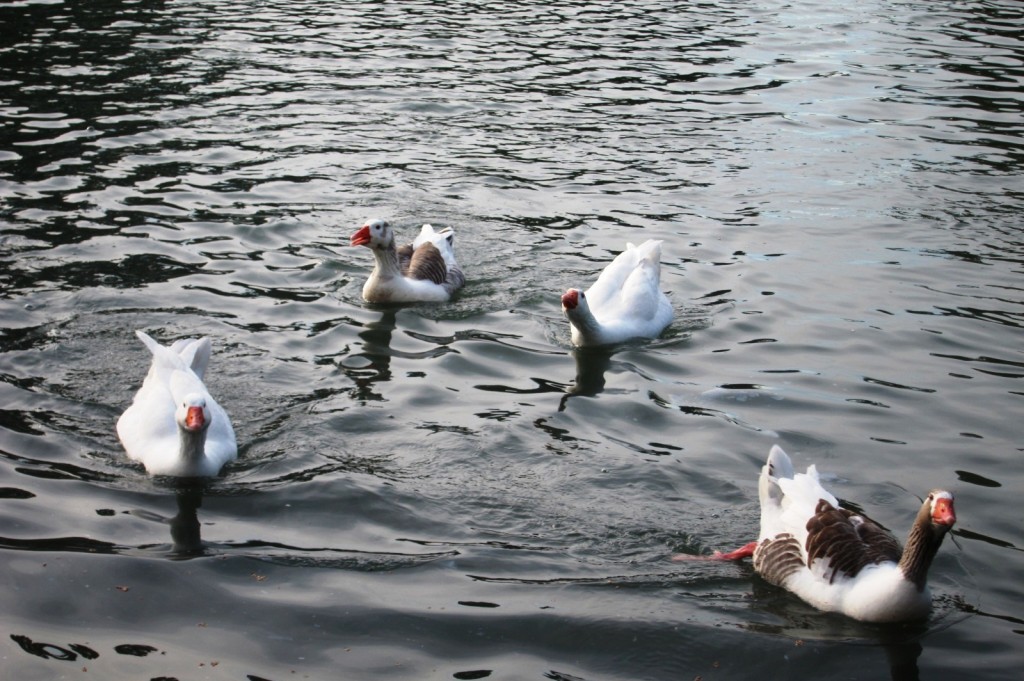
(745, 551)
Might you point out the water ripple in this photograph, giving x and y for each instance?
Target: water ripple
(837, 189)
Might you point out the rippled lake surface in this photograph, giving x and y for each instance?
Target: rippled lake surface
(451, 491)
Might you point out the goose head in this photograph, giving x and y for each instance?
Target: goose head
(573, 299)
(941, 511)
(192, 414)
(577, 310)
(375, 234)
(585, 327)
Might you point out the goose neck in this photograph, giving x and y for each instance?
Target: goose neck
(387, 261)
(193, 444)
(921, 546)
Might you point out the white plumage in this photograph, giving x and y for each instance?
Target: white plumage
(839, 560)
(625, 302)
(174, 426)
(423, 271)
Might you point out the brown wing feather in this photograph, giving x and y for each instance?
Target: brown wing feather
(428, 263)
(850, 541)
(777, 558)
(404, 257)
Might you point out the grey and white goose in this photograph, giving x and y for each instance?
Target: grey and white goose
(423, 271)
(839, 560)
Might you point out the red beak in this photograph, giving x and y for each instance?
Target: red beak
(943, 512)
(362, 237)
(194, 418)
(570, 299)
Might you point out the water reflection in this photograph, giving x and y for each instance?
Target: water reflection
(903, 660)
(901, 643)
(72, 651)
(591, 365)
(52, 651)
(373, 364)
(186, 538)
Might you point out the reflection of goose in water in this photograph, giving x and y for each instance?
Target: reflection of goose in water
(373, 364)
(185, 534)
(903, 660)
(591, 365)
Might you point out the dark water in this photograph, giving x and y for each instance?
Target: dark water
(437, 492)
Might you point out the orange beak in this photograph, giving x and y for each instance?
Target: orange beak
(362, 237)
(571, 299)
(194, 418)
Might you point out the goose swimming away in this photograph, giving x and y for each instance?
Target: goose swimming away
(174, 426)
(625, 302)
(837, 559)
(423, 271)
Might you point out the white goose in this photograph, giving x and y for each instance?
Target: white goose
(625, 302)
(423, 271)
(174, 426)
(839, 560)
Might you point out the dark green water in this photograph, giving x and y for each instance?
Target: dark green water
(450, 491)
